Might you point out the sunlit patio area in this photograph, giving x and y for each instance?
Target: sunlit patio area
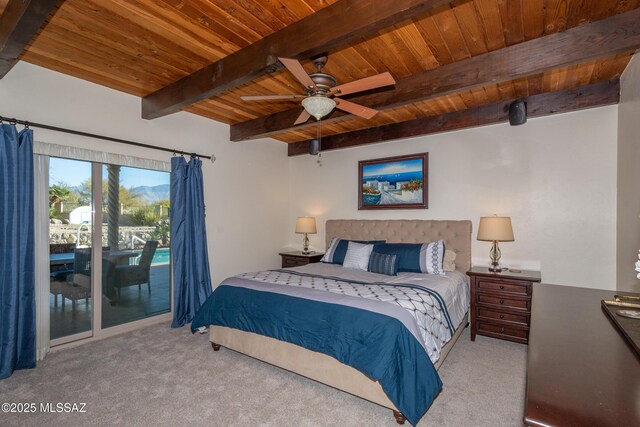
(70, 317)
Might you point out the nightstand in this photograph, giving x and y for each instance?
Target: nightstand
(297, 258)
(501, 303)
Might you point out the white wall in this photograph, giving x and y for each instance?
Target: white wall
(243, 189)
(555, 176)
(628, 177)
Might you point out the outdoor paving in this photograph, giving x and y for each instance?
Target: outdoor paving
(133, 305)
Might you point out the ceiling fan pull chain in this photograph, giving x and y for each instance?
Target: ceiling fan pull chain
(319, 138)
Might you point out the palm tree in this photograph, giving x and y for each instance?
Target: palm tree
(57, 194)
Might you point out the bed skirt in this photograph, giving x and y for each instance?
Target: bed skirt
(311, 364)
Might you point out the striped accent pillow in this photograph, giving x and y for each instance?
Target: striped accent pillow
(383, 264)
(432, 257)
(416, 257)
(331, 250)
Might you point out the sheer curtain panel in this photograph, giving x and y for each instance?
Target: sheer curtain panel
(43, 269)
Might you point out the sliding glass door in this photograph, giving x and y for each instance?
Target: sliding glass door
(109, 236)
(135, 269)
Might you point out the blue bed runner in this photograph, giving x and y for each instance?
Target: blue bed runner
(377, 345)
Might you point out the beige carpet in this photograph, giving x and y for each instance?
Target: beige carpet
(163, 377)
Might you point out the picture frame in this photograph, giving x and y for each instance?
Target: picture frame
(399, 182)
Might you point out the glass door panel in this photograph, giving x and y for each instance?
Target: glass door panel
(70, 234)
(136, 274)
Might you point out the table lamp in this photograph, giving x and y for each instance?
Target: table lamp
(495, 229)
(305, 225)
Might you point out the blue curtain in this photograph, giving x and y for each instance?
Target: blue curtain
(17, 253)
(192, 280)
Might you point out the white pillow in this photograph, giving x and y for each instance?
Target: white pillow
(357, 256)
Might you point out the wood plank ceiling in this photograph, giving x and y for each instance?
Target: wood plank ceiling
(140, 46)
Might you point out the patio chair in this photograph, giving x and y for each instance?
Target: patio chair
(129, 275)
(64, 271)
(79, 285)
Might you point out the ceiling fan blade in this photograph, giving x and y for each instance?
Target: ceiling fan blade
(356, 109)
(295, 67)
(379, 80)
(303, 117)
(270, 97)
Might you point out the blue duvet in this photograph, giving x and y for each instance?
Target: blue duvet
(372, 336)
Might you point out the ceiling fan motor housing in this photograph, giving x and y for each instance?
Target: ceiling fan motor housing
(324, 82)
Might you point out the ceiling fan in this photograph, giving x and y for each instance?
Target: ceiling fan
(321, 91)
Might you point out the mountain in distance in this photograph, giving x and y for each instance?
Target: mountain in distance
(152, 194)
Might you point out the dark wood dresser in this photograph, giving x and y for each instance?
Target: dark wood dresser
(501, 303)
(581, 371)
(297, 258)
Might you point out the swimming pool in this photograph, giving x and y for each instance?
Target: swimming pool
(162, 256)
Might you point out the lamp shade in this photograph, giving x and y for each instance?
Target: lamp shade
(306, 224)
(495, 228)
(318, 106)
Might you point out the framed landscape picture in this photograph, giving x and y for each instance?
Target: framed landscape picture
(399, 182)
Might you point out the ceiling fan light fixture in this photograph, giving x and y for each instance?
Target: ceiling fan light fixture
(318, 106)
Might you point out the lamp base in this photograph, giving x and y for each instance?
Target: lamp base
(495, 255)
(305, 245)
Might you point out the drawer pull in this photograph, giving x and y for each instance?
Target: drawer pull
(502, 330)
(502, 316)
(501, 286)
(501, 301)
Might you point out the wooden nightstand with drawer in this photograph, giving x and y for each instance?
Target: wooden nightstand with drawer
(501, 303)
(297, 258)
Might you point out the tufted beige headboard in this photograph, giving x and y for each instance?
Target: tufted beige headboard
(456, 234)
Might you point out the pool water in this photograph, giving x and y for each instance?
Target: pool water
(162, 256)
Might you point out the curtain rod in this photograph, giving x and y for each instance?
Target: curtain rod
(106, 138)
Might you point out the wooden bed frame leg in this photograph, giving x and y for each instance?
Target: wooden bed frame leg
(400, 419)
(216, 347)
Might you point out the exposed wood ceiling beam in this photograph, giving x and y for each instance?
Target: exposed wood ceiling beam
(617, 34)
(595, 95)
(336, 25)
(19, 23)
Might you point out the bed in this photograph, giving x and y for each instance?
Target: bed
(265, 315)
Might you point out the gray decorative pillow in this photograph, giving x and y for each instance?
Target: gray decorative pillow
(383, 264)
(357, 256)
